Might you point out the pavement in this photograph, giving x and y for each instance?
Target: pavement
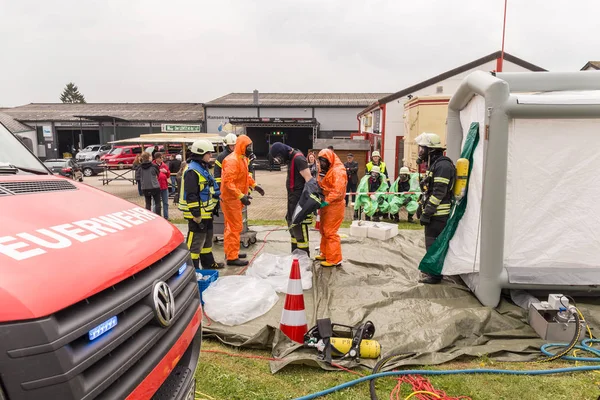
(273, 206)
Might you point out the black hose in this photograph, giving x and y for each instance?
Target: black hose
(377, 369)
(572, 344)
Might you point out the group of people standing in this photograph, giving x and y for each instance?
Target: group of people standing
(153, 175)
(330, 174)
(201, 195)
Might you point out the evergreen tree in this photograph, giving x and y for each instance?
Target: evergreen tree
(71, 94)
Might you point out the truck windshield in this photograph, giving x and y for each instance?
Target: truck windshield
(13, 152)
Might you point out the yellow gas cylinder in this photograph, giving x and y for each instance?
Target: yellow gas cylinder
(462, 174)
(368, 348)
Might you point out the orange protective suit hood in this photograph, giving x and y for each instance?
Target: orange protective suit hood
(335, 180)
(242, 144)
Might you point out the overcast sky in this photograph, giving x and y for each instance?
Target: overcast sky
(195, 51)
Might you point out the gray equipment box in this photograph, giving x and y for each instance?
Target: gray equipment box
(219, 222)
(542, 320)
(247, 236)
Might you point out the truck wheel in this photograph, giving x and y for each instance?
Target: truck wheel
(88, 172)
(97, 158)
(245, 244)
(253, 240)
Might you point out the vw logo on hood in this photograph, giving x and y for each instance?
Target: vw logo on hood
(164, 303)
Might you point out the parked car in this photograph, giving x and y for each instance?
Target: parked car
(121, 156)
(93, 152)
(91, 168)
(66, 167)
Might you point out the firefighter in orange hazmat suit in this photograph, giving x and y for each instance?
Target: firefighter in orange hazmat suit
(235, 185)
(332, 180)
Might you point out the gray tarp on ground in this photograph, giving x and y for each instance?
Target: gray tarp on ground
(432, 324)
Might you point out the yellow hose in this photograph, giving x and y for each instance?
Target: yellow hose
(422, 392)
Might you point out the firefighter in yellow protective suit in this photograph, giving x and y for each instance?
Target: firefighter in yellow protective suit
(199, 200)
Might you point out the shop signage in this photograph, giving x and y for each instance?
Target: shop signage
(129, 124)
(47, 130)
(180, 128)
(76, 123)
(307, 121)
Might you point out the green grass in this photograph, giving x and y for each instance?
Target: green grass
(227, 378)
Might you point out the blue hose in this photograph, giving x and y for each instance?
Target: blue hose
(448, 372)
(585, 345)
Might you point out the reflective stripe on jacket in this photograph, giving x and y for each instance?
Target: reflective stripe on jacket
(201, 199)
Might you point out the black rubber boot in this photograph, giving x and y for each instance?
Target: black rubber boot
(430, 279)
(242, 255)
(217, 265)
(410, 218)
(237, 263)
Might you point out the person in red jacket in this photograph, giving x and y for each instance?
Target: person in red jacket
(332, 180)
(163, 181)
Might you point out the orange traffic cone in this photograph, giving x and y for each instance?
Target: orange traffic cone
(293, 318)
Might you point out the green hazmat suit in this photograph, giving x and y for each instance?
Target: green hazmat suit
(364, 201)
(397, 201)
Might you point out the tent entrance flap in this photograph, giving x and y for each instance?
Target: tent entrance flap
(433, 262)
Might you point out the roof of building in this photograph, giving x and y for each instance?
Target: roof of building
(591, 64)
(12, 124)
(139, 112)
(456, 71)
(297, 100)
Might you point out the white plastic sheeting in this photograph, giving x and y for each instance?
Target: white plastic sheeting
(275, 269)
(553, 202)
(237, 299)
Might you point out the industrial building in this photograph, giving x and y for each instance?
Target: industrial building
(59, 127)
(302, 120)
(385, 122)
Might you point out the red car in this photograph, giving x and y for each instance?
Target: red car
(121, 156)
(93, 306)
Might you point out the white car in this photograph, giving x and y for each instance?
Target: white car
(93, 152)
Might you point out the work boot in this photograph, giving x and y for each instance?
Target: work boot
(217, 265)
(327, 264)
(430, 279)
(237, 263)
(242, 255)
(410, 218)
(356, 216)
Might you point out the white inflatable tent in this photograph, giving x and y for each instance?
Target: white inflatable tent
(533, 208)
